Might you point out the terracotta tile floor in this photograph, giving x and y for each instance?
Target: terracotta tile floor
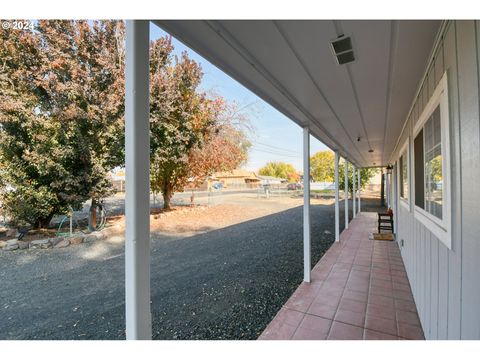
(359, 290)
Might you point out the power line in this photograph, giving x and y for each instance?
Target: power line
(275, 153)
(277, 148)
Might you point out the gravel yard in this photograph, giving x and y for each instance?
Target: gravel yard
(218, 273)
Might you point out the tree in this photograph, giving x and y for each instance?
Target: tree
(61, 115)
(365, 175)
(224, 149)
(192, 134)
(322, 166)
(281, 170)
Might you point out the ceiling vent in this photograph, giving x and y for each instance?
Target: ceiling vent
(343, 50)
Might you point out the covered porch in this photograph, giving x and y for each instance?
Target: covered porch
(359, 290)
(354, 97)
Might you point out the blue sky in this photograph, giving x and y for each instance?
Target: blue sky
(275, 137)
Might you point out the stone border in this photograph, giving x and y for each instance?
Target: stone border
(60, 241)
(65, 241)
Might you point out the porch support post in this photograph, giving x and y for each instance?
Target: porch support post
(137, 167)
(306, 205)
(354, 192)
(359, 185)
(337, 198)
(394, 197)
(346, 194)
(387, 188)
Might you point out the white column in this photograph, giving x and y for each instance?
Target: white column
(346, 194)
(306, 205)
(394, 196)
(337, 198)
(137, 163)
(387, 188)
(354, 193)
(359, 186)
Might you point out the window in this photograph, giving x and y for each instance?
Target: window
(404, 176)
(431, 165)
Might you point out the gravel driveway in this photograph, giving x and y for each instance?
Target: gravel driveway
(224, 284)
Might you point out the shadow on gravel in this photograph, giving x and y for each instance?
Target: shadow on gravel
(224, 284)
(229, 283)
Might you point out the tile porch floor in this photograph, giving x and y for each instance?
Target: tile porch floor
(359, 290)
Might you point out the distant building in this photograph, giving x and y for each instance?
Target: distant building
(237, 178)
(234, 179)
(271, 180)
(117, 177)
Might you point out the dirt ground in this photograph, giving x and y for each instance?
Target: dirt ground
(187, 220)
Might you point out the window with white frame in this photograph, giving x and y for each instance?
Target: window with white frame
(431, 165)
(403, 173)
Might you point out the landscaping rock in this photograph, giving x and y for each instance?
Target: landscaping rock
(89, 238)
(10, 247)
(40, 244)
(75, 240)
(3, 243)
(63, 244)
(54, 241)
(107, 232)
(99, 235)
(12, 241)
(11, 232)
(22, 245)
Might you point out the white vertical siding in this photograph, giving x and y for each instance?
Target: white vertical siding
(454, 255)
(445, 282)
(468, 71)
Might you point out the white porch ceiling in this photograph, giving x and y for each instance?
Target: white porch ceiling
(290, 65)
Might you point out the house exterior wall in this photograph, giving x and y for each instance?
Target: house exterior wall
(445, 282)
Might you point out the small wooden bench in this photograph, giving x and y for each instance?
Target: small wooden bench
(385, 222)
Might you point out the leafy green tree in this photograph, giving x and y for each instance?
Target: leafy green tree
(61, 115)
(192, 135)
(322, 166)
(280, 170)
(365, 175)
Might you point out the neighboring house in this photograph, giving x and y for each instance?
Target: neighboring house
(234, 179)
(237, 178)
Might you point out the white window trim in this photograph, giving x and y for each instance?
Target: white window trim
(441, 228)
(405, 202)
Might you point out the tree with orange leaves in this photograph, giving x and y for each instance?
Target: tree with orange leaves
(192, 135)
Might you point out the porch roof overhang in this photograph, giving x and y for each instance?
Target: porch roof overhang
(290, 65)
